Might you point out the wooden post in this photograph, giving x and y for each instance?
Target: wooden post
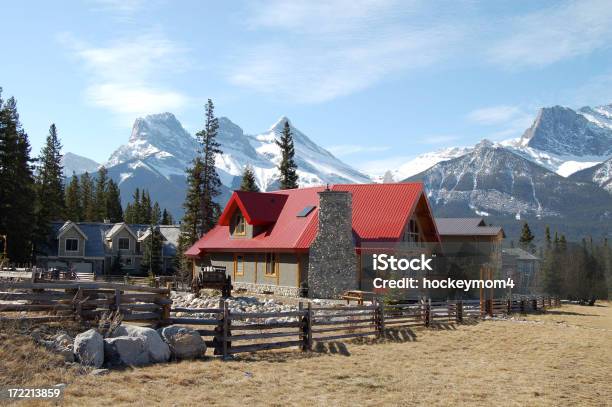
(459, 315)
(117, 300)
(490, 307)
(79, 304)
(309, 327)
(534, 303)
(226, 329)
(302, 329)
(165, 316)
(509, 306)
(522, 305)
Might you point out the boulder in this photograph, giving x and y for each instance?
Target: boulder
(159, 351)
(126, 350)
(185, 343)
(63, 341)
(89, 348)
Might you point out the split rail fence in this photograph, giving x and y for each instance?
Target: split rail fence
(230, 333)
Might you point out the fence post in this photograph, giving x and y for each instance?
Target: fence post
(426, 307)
(303, 327)
(309, 326)
(534, 303)
(509, 306)
(459, 315)
(379, 319)
(79, 304)
(226, 330)
(117, 300)
(522, 306)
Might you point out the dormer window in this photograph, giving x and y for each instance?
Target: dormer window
(72, 245)
(239, 224)
(124, 243)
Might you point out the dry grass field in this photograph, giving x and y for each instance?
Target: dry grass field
(563, 357)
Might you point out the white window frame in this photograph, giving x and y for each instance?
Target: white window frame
(119, 243)
(66, 245)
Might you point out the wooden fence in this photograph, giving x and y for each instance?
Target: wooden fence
(86, 301)
(230, 333)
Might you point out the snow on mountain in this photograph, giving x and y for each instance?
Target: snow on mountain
(422, 162)
(160, 147)
(74, 163)
(496, 181)
(600, 174)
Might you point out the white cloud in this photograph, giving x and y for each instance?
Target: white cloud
(493, 114)
(126, 74)
(326, 50)
(562, 31)
(349, 149)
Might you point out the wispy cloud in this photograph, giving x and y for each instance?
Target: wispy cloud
(350, 149)
(507, 121)
(550, 35)
(326, 50)
(125, 74)
(493, 114)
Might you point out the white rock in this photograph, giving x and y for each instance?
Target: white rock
(159, 351)
(89, 348)
(185, 343)
(126, 350)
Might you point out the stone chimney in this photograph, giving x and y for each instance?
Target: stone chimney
(332, 265)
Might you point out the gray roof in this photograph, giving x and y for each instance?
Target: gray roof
(520, 253)
(97, 232)
(466, 226)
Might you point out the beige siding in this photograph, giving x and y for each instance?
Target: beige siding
(254, 268)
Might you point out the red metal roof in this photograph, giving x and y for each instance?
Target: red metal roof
(380, 213)
(258, 208)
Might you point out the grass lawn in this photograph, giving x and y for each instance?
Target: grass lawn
(563, 357)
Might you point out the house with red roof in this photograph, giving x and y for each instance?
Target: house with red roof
(279, 242)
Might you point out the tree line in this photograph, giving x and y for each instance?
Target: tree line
(34, 192)
(576, 271)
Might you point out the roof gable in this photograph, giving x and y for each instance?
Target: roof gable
(117, 227)
(258, 208)
(68, 226)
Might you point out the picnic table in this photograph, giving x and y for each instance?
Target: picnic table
(356, 295)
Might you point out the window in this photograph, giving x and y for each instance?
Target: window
(239, 265)
(271, 264)
(124, 243)
(412, 233)
(239, 224)
(126, 261)
(72, 245)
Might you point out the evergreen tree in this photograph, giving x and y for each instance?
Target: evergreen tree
(526, 239)
(87, 198)
(117, 266)
(211, 183)
(151, 258)
(50, 201)
(166, 218)
(146, 215)
(74, 210)
(287, 166)
(156, 215)
(128, 215)
(114, 210)
(100, 195)
(248, 180)
(17, 192)
(192, 218)
(547, 238)
(137, 215)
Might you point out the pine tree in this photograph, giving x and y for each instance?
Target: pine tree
(287, 166)
(146, 208)
(156, 215)
(17, 192)
(50, 202)
(166, 218)
(137, 215)
(128, 215)
(547, 238)
(192, 218)
(114, 211)
(151, 258)
(74, 210)
(211, 183)
(100, 195)
(248, 180)
(526, 239)
(87, 198)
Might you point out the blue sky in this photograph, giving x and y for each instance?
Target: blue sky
(376, 82)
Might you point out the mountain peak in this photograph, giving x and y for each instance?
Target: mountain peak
(280, 123)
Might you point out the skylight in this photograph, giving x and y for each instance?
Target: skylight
(304, 212)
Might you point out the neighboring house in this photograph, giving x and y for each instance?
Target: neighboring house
(276, 242)
(89, 247)
(471, 236)
(522, 267)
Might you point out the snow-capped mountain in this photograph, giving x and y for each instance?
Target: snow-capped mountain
(160, 149)
(600, 174)
(74, 163)
(494, 181)
(422, 162)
